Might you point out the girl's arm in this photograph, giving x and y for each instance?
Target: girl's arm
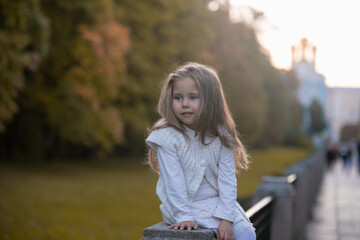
(227, 186)
(227, 194)
(175, 185)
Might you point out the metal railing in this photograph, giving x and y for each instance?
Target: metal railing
(292, 178)
(260, 213)
(260, 216)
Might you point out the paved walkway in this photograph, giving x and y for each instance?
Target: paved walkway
(336, 213)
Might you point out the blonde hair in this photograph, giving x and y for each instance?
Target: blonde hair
(214, 118)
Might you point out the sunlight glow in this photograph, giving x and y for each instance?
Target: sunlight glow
(331, 25)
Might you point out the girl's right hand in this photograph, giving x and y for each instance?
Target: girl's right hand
(184, 225)
(225, 231)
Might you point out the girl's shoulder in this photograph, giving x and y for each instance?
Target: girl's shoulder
(163, 128)
(165, 131)
(165, 136)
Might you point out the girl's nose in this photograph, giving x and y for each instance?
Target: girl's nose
(185, 102)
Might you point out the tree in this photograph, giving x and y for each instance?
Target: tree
(95, 90)
(293, 119)
(349, 132)
(23, 43)
(276, 101)
(69, 105)
(163, 35)
(97, 87)
(235, 52)
(317, 117)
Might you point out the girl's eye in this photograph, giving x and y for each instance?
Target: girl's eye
(194, 97)
(177, 98)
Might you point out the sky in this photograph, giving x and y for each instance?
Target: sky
(333, 26)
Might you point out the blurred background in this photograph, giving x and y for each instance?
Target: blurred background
(80, 82)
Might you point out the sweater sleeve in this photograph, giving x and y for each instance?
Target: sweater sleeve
(166, 142)
(227, 186)
(168, 138)
(175, 185)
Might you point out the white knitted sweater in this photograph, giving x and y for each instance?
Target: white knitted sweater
(194, 166)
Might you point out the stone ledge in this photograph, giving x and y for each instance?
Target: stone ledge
(160, 231)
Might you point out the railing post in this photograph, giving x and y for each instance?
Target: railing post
(282, 214)
(309, 176)
(302, 202)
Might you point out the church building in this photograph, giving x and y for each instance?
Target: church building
(312, 84)
(341, 105)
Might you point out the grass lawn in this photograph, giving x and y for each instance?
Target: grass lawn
(99, 200)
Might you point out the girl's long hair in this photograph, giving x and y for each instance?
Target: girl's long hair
(214, 118)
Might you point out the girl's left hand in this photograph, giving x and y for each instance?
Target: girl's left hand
(184, 225)
(225, 231)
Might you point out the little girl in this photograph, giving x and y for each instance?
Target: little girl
(195, 148)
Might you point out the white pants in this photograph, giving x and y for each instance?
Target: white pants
(248, 234)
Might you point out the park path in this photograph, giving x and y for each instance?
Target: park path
(336, 213)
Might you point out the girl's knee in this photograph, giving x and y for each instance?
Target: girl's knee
(248, 234)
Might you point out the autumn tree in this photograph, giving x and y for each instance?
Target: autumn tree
(234, 53)
(96, 88)
(24, 33)
(262, 98)
(163, 34)
(69, 105)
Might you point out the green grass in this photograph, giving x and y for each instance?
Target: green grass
(267, 162)
(98, 200)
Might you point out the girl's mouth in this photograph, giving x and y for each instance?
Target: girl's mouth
(187, 114)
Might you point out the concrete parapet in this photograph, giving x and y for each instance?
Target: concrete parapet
(282, 213)
(160, 231)
(302, 201)
(309, 174)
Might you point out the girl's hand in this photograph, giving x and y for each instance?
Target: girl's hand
(225, 231)
(186, 224)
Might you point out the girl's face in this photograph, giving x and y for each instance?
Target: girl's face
(186, 101)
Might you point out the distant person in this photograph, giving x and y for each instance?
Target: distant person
(346, 155)
(195, 148)
(331, 154)
(343, 152)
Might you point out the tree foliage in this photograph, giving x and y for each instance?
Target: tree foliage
(97, 84)
(350, 132)
(163, 34)
(71, 99)
(293, 109)
(23, 42)
(234, 52)
(317, 117)
(262, 98)
(86, 70)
